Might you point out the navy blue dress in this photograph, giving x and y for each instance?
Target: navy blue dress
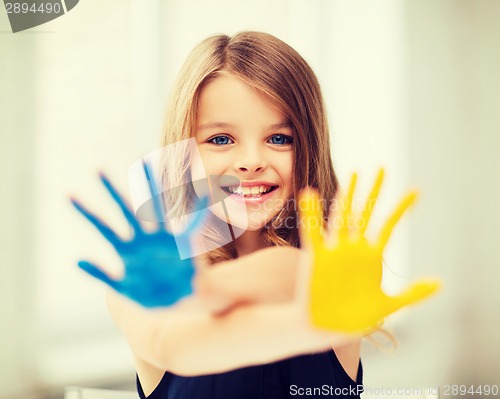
(318, 374)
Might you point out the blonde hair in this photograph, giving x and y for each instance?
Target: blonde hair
(275, 69)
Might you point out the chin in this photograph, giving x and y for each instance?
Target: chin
(245, 217)
(253, 222)
(243, 223)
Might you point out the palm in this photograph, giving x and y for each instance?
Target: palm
(154, 273)
(345, 292)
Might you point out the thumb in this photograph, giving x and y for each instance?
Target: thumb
(198, 215)
(310, 218)
(97, 273)
(416, 292)
(190, 243)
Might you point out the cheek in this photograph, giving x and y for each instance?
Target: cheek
(215, 163)
(201, 169)
(207, 164)
(285, 170)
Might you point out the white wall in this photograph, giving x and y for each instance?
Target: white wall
(16, 210)
(410, 85)
(65, 92)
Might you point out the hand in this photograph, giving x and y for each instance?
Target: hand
(345, 293)
(154, 274)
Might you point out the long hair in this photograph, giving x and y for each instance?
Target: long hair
(276, 70)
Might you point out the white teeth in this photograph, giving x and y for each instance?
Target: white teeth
(254, 190)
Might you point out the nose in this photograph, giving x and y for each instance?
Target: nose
(250, 161)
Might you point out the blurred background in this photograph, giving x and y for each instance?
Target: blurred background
(410, 85)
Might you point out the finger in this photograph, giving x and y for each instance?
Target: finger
(334, 217)
(386, 231)
(129, 215)
(96, 272)
(105, 230)
(187, 242)
(155, 194)
(310, 218)
(332, 222)
(199, 214)
(417, 292)
(370, 203)
(347, 204)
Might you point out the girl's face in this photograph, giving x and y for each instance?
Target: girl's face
(241, 134)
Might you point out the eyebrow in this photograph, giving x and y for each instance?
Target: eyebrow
(225, 125)
(212, 125)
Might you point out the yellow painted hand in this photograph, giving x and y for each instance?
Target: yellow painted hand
(345, 292)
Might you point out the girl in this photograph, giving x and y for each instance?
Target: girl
(255, 110)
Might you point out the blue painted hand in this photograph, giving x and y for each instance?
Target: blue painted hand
(154, 274)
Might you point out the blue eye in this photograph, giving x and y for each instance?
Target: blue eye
(281, 139)
(277, 139)
(220, 140)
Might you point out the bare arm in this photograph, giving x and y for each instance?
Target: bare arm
(188, 340)
(268, 275)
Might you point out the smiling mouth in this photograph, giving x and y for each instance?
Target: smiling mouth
(249, 192)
